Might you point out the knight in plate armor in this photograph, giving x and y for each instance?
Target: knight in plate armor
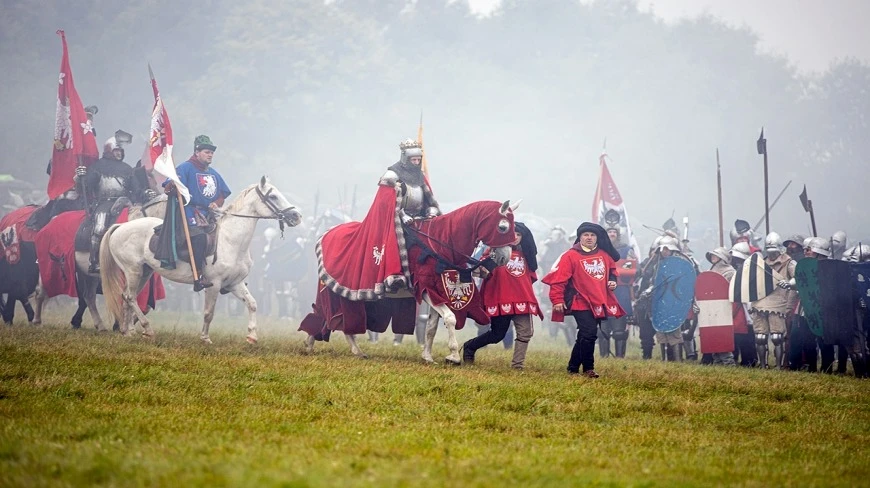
(108, 185)
(412, 188)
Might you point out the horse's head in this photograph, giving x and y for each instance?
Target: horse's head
(496, 230)
(272, 204)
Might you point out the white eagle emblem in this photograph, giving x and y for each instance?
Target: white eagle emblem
(207, 184)
(594, 267)
(459, 294)
(598, 309)
(612, 309)
(533, 308)
(491, 310)
(505, 308)
(521, 307)
(378, 254)
(516, 266)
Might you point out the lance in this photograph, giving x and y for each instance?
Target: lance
(353, 202)
(761, 145)
(808, 207)
(758, 224)
(316, 202)
(719, 185)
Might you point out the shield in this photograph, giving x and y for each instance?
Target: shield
(838, 305)
(754, 281)
(673, 293)
(459, 291)
(715, 320)
(806, 278)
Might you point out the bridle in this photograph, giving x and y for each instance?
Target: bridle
(277, 214)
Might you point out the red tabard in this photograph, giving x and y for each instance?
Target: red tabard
(508, 289)
(588, 273)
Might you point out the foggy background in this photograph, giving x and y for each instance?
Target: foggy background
(517, 97)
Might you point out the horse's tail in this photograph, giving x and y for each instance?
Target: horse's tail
(112, 277)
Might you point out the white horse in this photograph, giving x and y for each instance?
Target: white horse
(89, 282)
(126, 262)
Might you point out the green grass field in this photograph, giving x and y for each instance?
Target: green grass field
(78, 408)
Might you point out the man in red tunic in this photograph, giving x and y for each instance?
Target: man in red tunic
(508, 296)
(582, 284)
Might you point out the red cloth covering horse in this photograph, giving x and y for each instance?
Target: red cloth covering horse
(55, 250)
(13, 232)
(369, 259)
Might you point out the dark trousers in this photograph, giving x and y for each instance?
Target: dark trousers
(827, 353)
(802, 347)
(199, 242)
(744, 350)
(498, 328)
(584, 349)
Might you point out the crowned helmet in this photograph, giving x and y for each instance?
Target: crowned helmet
(410, 148)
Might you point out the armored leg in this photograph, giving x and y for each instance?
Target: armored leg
(679, 352)
(778, 349)
(620, 339)
(665, 352)
(761, 349)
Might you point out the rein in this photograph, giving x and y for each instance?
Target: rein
(444, 263)
(278, 214)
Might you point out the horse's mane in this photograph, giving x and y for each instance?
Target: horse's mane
(236, 204)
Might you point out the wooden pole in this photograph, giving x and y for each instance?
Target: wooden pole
(719, 185)
(187, 236)
(812, 218)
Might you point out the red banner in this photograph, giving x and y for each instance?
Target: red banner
(74, 140)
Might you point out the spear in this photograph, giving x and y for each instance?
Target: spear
(761, 145)
(719, 184)
(808, 207)
(758, 224)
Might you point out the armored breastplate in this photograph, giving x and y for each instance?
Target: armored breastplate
(412, 203)
(112, 187)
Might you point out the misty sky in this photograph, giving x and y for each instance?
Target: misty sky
(811, 33)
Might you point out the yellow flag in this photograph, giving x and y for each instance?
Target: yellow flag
(423, 165)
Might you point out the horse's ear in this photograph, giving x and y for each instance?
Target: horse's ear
(515, 206)
(505, 207)
(263, 181)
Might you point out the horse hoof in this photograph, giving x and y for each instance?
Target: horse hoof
(37, 322)
(251, 340)
(206, 340)
(452, 361)
(148, 335)
(429, 359)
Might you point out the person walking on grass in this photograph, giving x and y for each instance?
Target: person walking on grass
(582, 284)
(508, 296)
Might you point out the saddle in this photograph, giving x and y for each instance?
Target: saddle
(181, 244)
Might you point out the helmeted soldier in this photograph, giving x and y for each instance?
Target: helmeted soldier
(857, 254)
(414, 192)
(794, 247)
(721, 264)
(771, 315)
(674, 343)
(642, 306)
(744, 343)
(614, 327)
(105, 183)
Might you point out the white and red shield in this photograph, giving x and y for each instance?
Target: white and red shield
(594, 267)
(459, 294)
(715, 320)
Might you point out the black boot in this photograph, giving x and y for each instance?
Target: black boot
(202, 283)
(95, 255)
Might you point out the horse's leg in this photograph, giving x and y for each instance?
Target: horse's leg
(147, 331)
(431, 328)
(354, 348)
(211, 296)
(25, 302)
(242, 293)
(309, 344)
(449, 323)
(90, 296)
(38, 298)
(8, 309)
(76, 320)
